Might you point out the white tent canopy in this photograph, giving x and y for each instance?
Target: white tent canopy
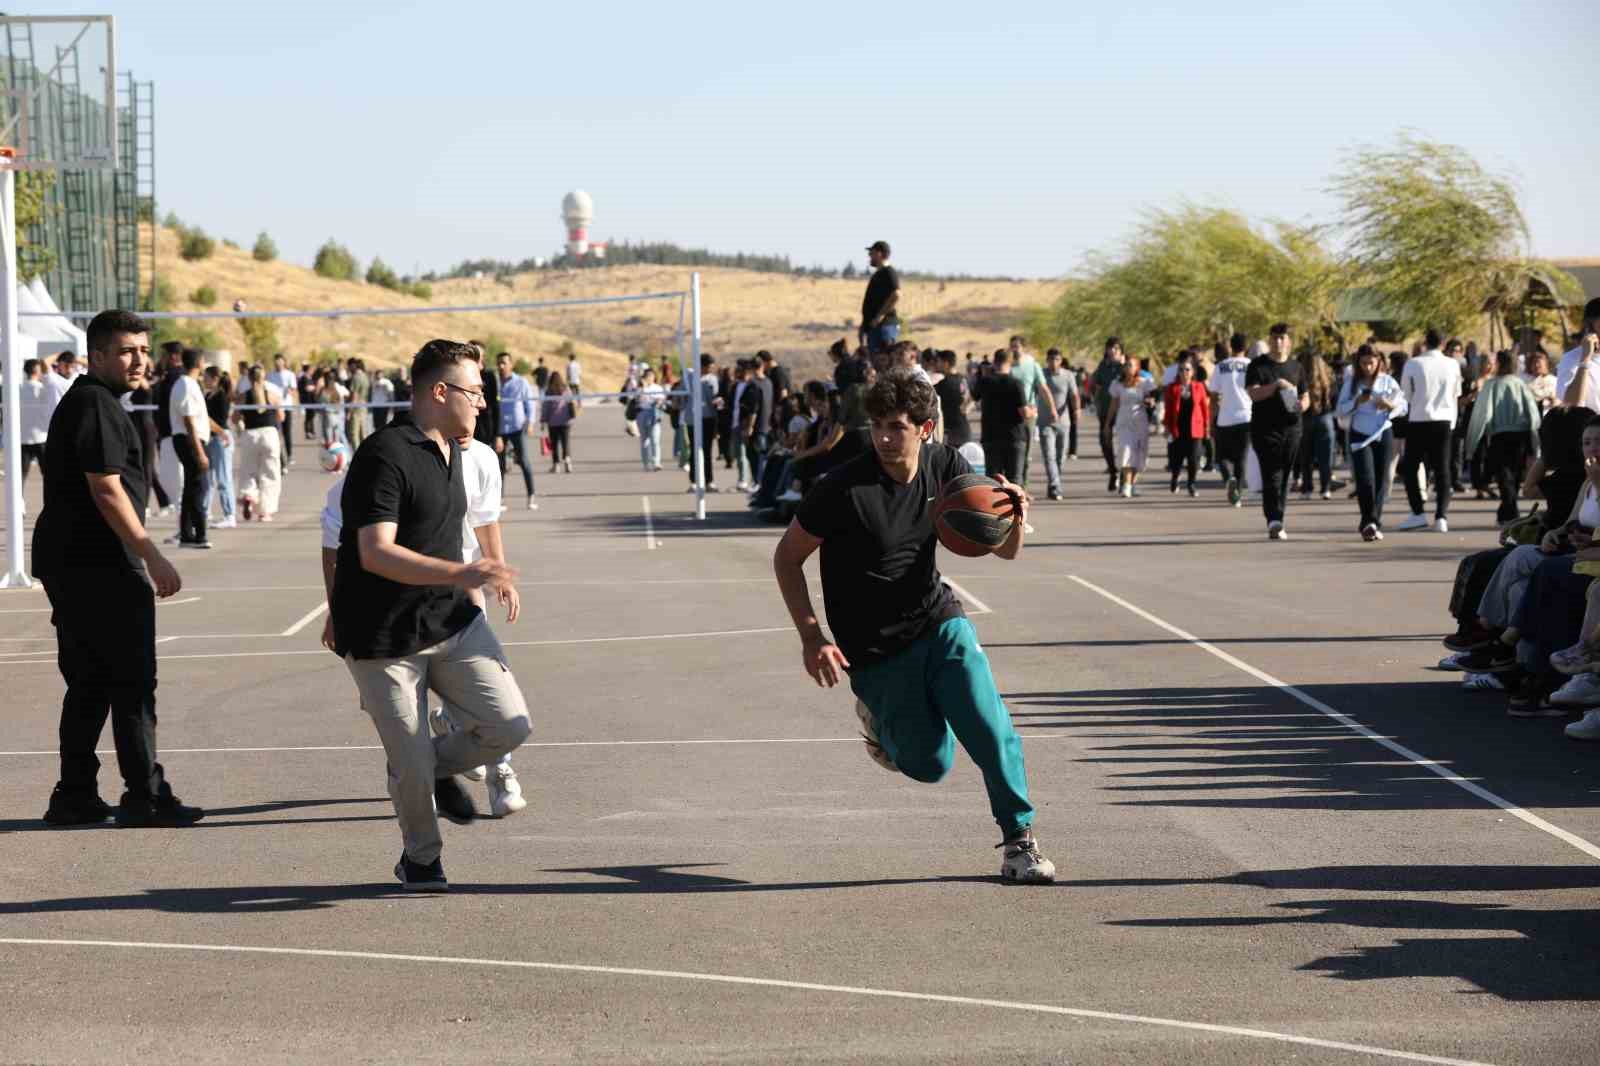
(53, 329)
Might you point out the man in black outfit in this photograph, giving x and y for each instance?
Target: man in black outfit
(953, 402)
(1277, 388)
(98, 565)
(880, 326)
(1005, 411)
(191, 429)
(488, 427)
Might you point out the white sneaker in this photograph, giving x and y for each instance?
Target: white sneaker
(1585, 728)
(1582, 691)
(1275, 531)
(869, 733)
(1022, 862)
(792, 496)
(1441, 526)
(1127, 492)
(1027, 528)
(1415, 521)
(1483, 683)
(505, 795)
(228, 523)
(741, 486)
(475, 774)
(533, 504)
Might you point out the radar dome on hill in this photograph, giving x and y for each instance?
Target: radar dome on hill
(577, 211)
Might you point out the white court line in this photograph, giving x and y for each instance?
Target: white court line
(755, 982)
(310, 616)
(649, 525)
(978, 606)
(1350, 723)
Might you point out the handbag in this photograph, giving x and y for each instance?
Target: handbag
(544, 444)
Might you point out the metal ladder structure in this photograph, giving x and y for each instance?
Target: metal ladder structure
(142, 125)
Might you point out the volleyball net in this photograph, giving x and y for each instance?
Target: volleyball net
(650, 327)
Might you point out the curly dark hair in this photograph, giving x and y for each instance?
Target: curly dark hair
(902, 391)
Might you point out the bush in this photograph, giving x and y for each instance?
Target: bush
(335, 261)
(171, 221)
(261, 337)
(380, 273)
(265, 251)
(194, 245)
(191, 334)
(204, 296)
(522, 367)
(226, 243)
(421, 290)
(160, 297)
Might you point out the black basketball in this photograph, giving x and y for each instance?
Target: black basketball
(972, 517)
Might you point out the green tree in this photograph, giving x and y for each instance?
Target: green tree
(32, 196)
(172, 221)
(265, 250)
(335, 261)
(380, 273)
(194, 245)
(204, 296)
(421, 290)
(1436, 236)
(260, 337)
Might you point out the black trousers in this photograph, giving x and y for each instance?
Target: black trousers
(196, 491)
(517, 447)
(1105, 444)
(1003, 457)
(105, 624)
(1233, 442)
(1507, 461)
(560, 443)
(708, 450)
(1072, 431)
(1276, 451)
(286, 430)
(1181, 453)
(1427, 442)
(31, 453)
(1472, 577)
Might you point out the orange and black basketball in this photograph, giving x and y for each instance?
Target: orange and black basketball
(974, 516)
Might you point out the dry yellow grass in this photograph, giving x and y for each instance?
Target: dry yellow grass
(743, 311)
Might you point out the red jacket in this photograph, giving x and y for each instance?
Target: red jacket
(1199, 421)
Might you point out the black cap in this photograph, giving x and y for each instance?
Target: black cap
(879, 246)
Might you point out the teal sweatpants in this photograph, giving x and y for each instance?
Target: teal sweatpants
(938, 691)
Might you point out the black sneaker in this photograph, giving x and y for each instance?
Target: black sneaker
(75, 808)
(452, 801)
(1502, 657)
(160, 812)
(421, 877)
(1111, 481)
(1471, 638)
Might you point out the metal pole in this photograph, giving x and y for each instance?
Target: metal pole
(16, 577)
(696, 399)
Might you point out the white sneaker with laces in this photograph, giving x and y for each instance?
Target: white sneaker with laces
(1441, 526)
(1483, 683)
(1022, 862)
(869, 734)
(1582, 691)
(1414, 521)
(505, 795)
(1585, 728)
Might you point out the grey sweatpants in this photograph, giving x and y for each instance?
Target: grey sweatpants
(469, 673)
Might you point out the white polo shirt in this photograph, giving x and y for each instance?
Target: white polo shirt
(188, 399)
(1431, 384)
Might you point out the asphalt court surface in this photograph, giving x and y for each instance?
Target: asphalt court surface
(710, 868)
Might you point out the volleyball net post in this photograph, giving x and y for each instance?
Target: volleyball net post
(16, 574)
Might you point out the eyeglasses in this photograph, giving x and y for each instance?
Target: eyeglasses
(474, 395)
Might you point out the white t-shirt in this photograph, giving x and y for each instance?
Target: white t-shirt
(56, 386)
(188, 400)
(1227, 382)
(574, 372)
(1589, 511)
(1431, 384)
(480, 470)
(651, 395)
(1567, 369)
(287, 384)
(36, 412)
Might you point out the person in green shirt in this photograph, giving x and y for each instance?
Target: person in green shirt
(1030, 375)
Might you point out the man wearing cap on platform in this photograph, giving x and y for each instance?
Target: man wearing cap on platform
(913, 660)
(880, 326)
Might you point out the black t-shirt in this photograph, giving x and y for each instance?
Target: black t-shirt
(488, 427)
(1270, 415)
(952, 390)
(399, 476)
(90, 433)
(163, 411)
(880, 585)
(779, 376)
(883, 283)
(540, 376)
(1000, 401)
(1561, 450)
(144, 421)
(218, 404)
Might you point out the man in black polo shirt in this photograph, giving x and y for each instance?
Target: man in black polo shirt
(402, 620)
(880, 325)
(92, 553)
(1005, 412)
(1277, 388)
(921, 680)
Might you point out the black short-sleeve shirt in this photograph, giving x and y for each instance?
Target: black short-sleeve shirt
(1000, 402)
(399, 476)
(885, 281)
(952, 390)
(1271, 416)
(880, 585)
(89, 433)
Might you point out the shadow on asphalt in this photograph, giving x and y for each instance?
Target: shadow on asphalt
(1256, 747)
(1549, 956)
(37, 825)
(1368, 639)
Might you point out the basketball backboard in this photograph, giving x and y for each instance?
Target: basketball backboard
(58, 91)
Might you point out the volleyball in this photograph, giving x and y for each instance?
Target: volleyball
(335, 457)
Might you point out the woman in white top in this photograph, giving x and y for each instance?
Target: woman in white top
(1540, 380)
(1369, 401)
(1131, 418)
(649, 398)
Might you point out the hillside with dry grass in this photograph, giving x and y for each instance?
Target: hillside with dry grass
(742, 311)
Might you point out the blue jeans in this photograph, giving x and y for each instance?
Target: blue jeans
(1052, 445)
(221, 458)
(1316, 448)
(882, 338)
(1371, 468)
(649, 423)
(938, 691)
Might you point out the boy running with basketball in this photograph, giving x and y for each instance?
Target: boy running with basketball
(911, 655)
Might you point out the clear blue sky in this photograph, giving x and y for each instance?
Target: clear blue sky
(973, 138)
